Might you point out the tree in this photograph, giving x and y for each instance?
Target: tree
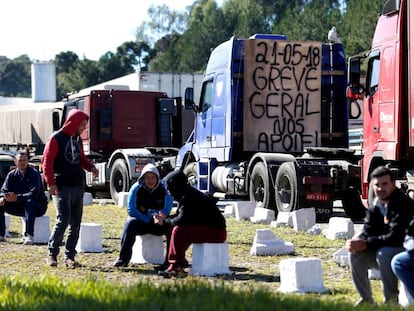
(311, 21)
(359, 21)
(206, 29)
(15, 77)
(245, 17)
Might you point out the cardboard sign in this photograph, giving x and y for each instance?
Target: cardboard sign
(282, 95)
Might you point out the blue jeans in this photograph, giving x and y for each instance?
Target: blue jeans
(403, 266)
(29, 210)
(361, 262)
(69, 209)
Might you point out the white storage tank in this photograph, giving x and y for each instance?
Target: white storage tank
(43, 82)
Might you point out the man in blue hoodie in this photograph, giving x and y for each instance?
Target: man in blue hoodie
(63, 164)
(147, 197)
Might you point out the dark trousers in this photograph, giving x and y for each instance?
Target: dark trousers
(132, 228)
(29, 210)
(183, 236)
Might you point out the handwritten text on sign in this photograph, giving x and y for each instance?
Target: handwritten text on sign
(282, 95)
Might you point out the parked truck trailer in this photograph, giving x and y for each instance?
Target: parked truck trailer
(126, 130)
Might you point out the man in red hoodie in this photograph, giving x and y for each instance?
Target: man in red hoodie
(63, 164)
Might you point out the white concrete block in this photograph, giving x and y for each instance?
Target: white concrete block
(229, 210)
(267, 243)
(301, 275)
(87, 199)
(243, 210)
(303, 219)
(262, 216)
(404, 298)
(283, 219)
(122, 199)
(90, 238)
(148, 248)
(341, 257)
(41, 229)
(47, 194)
(339, 228)
(7, 219)
(210, 259)
(374, 274)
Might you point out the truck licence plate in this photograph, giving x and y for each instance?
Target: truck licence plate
(313, 196)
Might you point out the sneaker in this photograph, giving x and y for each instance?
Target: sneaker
(162, 267)
(173, 273)
(120, 263)
(51, 261)
(362, 302)
(70, 263)
(28, 240)
(2, 239)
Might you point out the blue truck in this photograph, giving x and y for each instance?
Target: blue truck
(271, 126)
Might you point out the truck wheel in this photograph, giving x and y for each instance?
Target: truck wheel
(119, 179)
(286, 187)
(259, 188)
(192, 174)
(352, 205)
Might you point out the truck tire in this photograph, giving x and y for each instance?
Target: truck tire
(259, 188)
(286, 194)
(192, 174)
(352, 205)
(119, 179)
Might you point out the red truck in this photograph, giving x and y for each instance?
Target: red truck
(126, 130)
(388, 96)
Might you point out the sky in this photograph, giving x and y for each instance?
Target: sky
(90, 28)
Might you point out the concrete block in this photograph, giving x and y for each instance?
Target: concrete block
(87, 199)
(90, 238)
(339, 228)
(263, 216)
(210, 259)
(7, 219)
(122, 199)
(315, 230)
(404, 298)
(303, 219)
(374, 274)
(283, 219)
(148, 248)
(243, 210)
(301, 275)
(41, 229)
(341, 257)
(267, 243)
(47, 194)
(229, 210)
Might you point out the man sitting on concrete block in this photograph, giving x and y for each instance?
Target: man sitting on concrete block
(22, 195)
(147, 197)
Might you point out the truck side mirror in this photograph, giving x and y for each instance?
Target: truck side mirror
(355, 88)
(56, 120)
(189, 98)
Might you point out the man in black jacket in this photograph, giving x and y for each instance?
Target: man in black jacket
(381, 238)
(198, 220)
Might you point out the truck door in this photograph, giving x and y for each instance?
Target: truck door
(371, 109)
(204, 132)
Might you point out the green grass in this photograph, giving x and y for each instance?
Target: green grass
(28, 284)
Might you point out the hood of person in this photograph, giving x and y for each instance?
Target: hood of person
(149, 168)
(73, 121)
(176, 182)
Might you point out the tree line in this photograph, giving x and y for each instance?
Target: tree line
(173, 41)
